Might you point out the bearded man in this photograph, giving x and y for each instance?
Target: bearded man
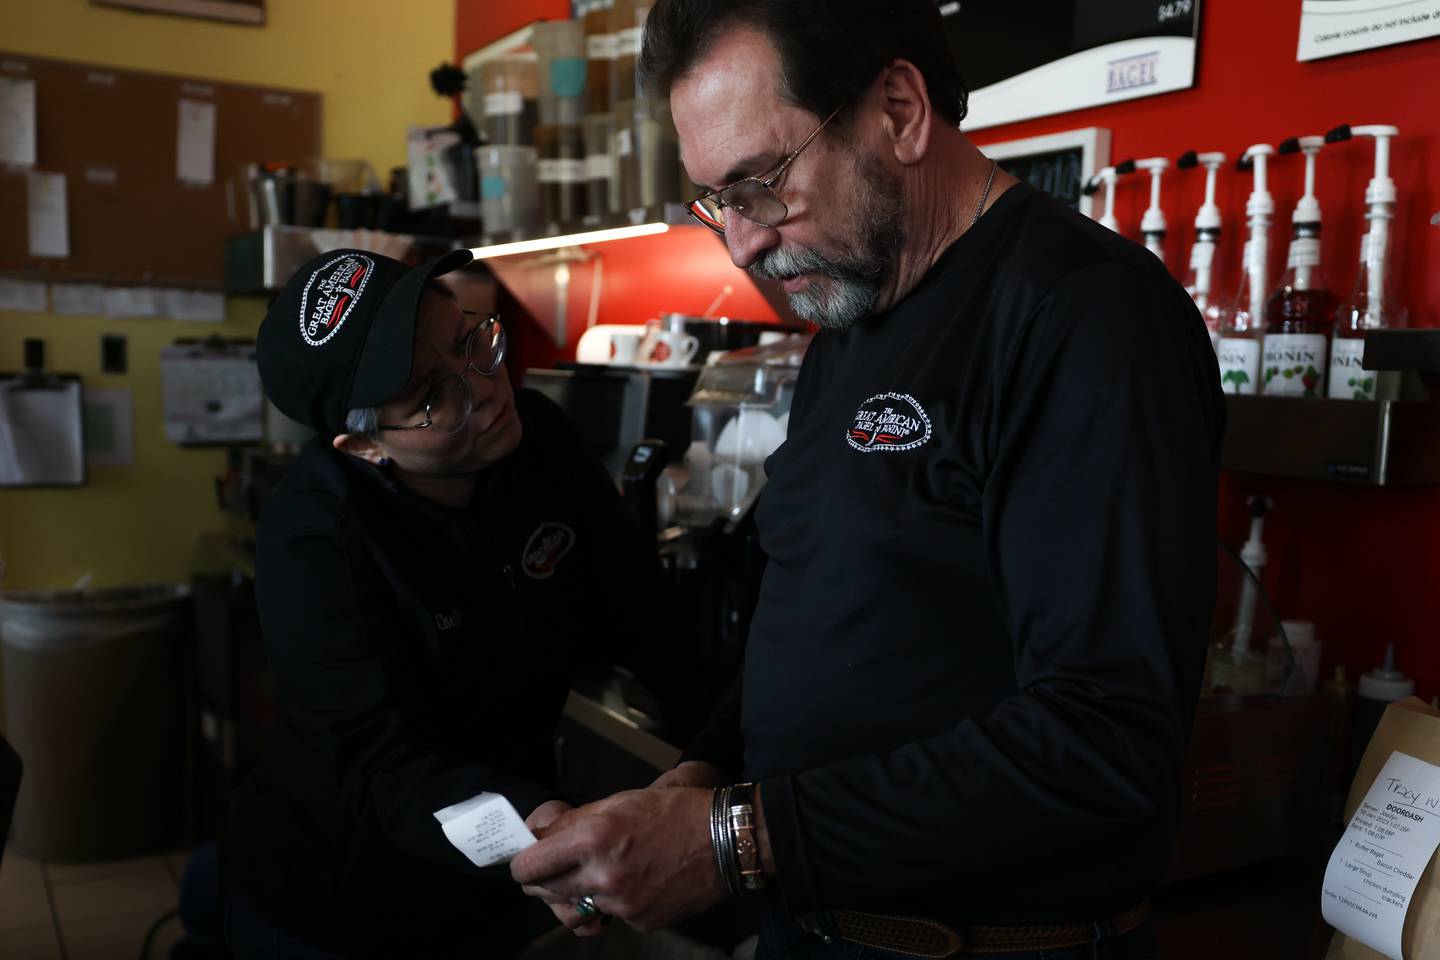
(970, 678)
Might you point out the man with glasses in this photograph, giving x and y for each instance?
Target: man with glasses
(969, 681)
(430, 573)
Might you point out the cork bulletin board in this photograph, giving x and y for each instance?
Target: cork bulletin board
(115, 134)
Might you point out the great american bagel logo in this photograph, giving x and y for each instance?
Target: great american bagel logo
(889, 423)
(331, 295)
(546, 547)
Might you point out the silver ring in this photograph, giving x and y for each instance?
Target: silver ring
(585, 906)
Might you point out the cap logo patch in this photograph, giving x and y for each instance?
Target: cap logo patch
(889, 423)
(546, 547)
(331, 295)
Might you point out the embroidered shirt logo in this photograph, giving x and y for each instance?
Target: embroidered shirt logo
(331, 295)
(449, 621)
(546, 547)
(889, 423)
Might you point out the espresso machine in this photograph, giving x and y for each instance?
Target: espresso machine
(699, 503)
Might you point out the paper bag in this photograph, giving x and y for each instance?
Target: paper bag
(1413, 727)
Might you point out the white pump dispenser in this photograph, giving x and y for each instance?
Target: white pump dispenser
(1238, 351)
(1105, 176)
(1207, 235)
(1153, 225)
(1235, 667)
(1305, 245)
(1259, 212)
(1371, 307)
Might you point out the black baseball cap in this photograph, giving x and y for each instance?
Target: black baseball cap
(340, 336)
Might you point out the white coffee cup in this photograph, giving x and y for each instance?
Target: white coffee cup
(609, 343)
(669, 348)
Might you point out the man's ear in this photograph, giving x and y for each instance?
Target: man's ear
(359, 445)
(908, 115)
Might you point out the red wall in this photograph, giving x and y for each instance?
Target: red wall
(1359, 562)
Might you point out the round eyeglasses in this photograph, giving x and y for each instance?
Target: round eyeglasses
(753, 198)
(450, 402)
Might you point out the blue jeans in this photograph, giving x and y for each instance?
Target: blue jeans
(782, 939)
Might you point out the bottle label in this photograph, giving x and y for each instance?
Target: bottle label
(627, 42)
(562, 171)
(1202, 255)
(601, 46)
(598, 166)
(506, 104)
(624, 142)
(1239, 359)
(1294, 365)
(1304, 252)
(1349, 380)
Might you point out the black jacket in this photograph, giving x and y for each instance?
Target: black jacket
(423, 655)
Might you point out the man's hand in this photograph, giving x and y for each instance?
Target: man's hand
(645, 857)
(692, 773)
(540, 822)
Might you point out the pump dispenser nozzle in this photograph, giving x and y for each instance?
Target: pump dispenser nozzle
(1259, 210)
(1153, 225)
(1207, 234)
(1107, 177)
(1370, 307)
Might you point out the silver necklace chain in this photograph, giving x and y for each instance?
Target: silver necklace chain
(989, 182)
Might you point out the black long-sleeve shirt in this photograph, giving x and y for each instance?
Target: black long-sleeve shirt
(422, 655)
(991, 534)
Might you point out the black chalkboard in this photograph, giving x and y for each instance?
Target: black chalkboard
(1058, 172)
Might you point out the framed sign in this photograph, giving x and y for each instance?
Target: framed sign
(1329, 28)
(1069, 54)
(1059, 163)
(231, 11)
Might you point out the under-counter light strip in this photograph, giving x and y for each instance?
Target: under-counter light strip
(568, 240)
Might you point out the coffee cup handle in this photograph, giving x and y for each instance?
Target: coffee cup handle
(692, 347)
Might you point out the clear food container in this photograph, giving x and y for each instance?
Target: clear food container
(741, 412)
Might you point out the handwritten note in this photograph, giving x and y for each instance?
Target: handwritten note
(1373, 872)
(486, 829)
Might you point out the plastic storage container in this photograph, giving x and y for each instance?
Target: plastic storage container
(647, 154)
(599, 57)
(602, 178)
(563, 71)
(509, 191)
(1305, 648)
(741, 411)
(509, 92)
(94, 705)
(627, 24)
(562, 174)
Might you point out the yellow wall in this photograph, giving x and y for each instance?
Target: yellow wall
(139, 524)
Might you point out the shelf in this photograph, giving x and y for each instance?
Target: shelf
(259, 262)
(641, 221)
(1375, 443)
(1380, 443)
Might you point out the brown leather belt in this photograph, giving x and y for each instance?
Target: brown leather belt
(915, 937)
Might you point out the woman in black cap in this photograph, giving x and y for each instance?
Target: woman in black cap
(429, 573)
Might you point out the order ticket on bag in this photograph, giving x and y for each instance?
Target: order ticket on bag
(486, 828)
(1375, 867)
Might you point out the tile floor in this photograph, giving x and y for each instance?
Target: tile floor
(90, 911)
